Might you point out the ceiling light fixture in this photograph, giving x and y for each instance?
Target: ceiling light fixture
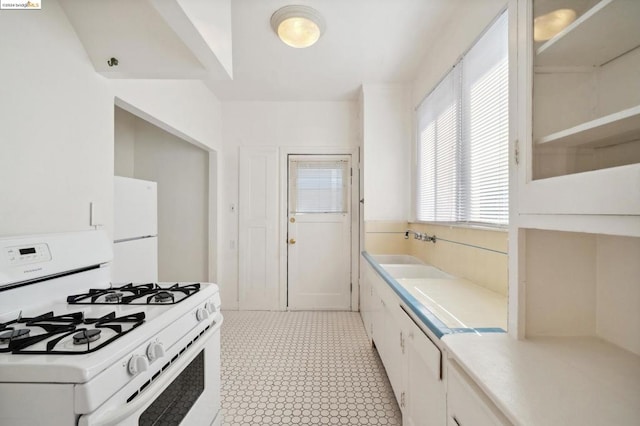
(297, 26)
(546, 27)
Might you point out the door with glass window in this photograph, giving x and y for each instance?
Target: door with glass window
(319, 232)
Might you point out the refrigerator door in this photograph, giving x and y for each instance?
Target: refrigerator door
(135, 261)
(135, 208)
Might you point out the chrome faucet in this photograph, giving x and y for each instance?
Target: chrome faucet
(419, 236)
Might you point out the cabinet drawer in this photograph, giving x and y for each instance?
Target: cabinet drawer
(429, 352)
(467, 405)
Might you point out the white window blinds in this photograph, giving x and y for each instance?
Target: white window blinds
(438, 149)
(462, 139)
(318, 186)
(486, 127)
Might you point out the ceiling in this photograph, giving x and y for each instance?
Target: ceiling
(366, 41)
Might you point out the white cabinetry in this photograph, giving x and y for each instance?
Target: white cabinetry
(424, 401)
(467, 405)
(575, 219)
(574, 237)
(366, 295)
(387, 334)
(578, 119)
(413, 362)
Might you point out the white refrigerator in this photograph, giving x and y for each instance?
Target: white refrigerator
(135, 248)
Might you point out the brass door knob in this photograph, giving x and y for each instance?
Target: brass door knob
(292, 241)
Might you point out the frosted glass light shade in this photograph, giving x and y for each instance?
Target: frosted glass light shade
(297, 26)
(545, 27)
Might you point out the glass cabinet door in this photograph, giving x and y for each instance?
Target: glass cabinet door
(586, 85)
(577, 75)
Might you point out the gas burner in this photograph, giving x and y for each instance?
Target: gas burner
(136, 294)
(13, 335)
(62, 334)
(115, 297)
(161, 297)
(86, 336)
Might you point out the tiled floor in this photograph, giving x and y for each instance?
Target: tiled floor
(302, 368)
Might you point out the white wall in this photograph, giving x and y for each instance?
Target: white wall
(454, 40)
(125, 143)
(386, 150)
(182, 172)
(276, 124)
(185, 108)
(56, 121)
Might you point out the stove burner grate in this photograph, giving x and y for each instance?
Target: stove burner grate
(139, 294)
(58, 328)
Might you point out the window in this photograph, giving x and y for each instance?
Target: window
(318, 185)
(462, 138)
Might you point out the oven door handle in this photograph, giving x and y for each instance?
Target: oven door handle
(116, 417)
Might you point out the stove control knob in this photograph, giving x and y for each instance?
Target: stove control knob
(202, 314)
(138, 364)
(155, 350)
(209, 306)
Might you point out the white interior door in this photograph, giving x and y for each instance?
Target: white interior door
(258, 229)
(319, 232)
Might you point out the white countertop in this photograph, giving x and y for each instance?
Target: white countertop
(553, 381)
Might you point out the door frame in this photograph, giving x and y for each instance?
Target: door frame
(355, 215)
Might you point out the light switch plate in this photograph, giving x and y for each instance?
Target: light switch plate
(95, 218)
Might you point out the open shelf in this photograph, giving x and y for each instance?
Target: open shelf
(592, 40)
(620, 127)
(610, 191)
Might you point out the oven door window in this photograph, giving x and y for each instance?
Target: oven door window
(174, 402)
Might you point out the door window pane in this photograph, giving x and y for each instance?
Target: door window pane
(318, 186)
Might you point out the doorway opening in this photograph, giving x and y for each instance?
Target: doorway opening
(185, 174)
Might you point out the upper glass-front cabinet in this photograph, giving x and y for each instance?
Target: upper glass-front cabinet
(578, 106)
(586, 85)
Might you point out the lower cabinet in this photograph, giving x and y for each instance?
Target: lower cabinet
(413, 362)
(394, 362)
(387, 334)
(366, 296)
(424, 398)
(431, 390)
(467, 405)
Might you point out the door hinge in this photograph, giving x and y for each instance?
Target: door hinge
(351, 287)
(402, 342)
(517, 151)
(402, 402)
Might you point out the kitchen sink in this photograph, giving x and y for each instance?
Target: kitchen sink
(414, 271)
(396, 259)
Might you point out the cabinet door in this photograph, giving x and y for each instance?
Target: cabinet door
(386, 335)
(395, 358)
(578, 114)
(467, 405)
(377, 321)
(366, 295)
(425, 401)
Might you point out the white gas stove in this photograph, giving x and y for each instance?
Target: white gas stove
(75, 349)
